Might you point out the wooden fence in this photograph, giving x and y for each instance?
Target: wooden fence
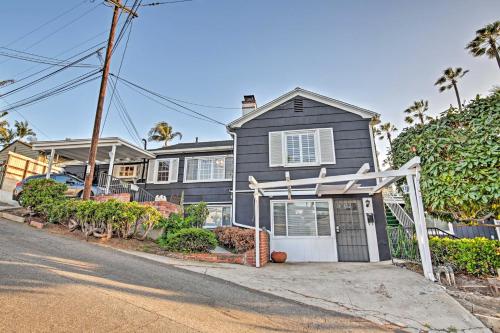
(18, 167)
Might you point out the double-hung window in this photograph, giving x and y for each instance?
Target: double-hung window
(126, 171)
(298, 148)
(301, 218)
(208, 168)
(163, 170)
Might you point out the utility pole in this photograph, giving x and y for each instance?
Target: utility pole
(102, 94)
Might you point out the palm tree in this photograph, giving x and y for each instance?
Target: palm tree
(8, 137)
(385, 131)
(163, 132)
(4, 124)
(417, 111)
(449, 80)
(486, 42)
(23, 130)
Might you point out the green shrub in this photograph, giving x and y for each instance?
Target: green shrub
(189, 240)
(38, 193)
(234, 238)
(173, 223)
(476, 256)
(197, 214)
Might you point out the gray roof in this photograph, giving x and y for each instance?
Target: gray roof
(189, 145)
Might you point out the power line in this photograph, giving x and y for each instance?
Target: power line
(46, 23)
(26, 119)
(169, 100)
(40, 60)
(49, 75)
(116, 80)
(164, 2)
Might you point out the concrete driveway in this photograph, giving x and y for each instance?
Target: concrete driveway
(379, 292)
(49, 283)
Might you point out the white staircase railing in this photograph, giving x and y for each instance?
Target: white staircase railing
(393, 203)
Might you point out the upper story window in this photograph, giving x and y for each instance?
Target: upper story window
(208, 168)
(301, 147)
(163, 170)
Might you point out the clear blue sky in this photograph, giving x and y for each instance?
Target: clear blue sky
(381, 55)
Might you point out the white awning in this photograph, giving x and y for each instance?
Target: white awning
(78, 149)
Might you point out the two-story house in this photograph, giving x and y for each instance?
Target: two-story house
(300, 132)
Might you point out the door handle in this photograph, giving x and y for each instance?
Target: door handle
(337, 229)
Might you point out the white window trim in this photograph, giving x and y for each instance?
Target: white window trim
(125, 165)
(330, 213)
(222, 206)
(186, 159)
(155, 170)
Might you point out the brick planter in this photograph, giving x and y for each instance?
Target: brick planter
(37, 224)
(247, 258)
(122, 197)
(164, 207)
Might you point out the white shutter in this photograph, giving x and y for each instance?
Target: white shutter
(151, 172)
(173, 173)
(326, 146)
(275, 148)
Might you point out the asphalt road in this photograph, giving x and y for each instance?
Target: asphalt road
(50, 283)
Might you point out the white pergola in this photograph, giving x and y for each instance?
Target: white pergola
(109, 150)
(347, 184)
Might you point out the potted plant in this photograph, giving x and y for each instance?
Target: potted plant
(278, 256)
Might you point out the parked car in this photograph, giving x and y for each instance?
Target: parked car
(75, 185)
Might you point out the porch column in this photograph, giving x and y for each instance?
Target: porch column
(257, 228)
(417, 208)
(51, 161)
(112, 154)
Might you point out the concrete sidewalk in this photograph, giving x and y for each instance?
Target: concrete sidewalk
(379, 292)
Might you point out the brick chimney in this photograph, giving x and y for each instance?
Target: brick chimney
(248, 104)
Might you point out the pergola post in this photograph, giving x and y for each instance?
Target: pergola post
(112, 154)
(257, 227)
(417, 208)
(50, 162)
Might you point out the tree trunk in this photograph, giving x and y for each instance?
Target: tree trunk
(458, 96)
(421, 116)
(390, 140)
(493, 45)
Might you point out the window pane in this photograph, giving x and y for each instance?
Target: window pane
(293, 148)
(301, 219)
(163, 167)
(308, 150)
(205, 167)
(323, 217)
(226, 215)
(214, 218)
(279, 219)
(229, 168)
(192, 169)
(218, 168)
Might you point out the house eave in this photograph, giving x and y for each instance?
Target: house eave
(305, 94)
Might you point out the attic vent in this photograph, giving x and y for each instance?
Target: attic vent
(298, 105)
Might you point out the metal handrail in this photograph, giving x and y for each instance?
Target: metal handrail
(437, 232)
(113, 185)
(401, 215)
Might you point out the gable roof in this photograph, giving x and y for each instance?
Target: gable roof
(306, 94)
(15, 142)
(195, 147)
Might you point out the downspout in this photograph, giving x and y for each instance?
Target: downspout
(233, 208)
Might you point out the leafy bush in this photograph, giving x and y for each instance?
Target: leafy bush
(194, 216)
(460, 159)
(197, 214)
(38, 193)
(189, 240)
(476, 256)
(238, 239)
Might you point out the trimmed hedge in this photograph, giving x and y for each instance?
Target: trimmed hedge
(238, 239)
(476, 256)
(189, 240)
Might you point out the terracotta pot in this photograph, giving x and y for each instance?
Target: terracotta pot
(278, 256)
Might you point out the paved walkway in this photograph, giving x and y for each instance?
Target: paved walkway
(379, 292)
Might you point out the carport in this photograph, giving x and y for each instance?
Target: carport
(109, 150)
(347, 184)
